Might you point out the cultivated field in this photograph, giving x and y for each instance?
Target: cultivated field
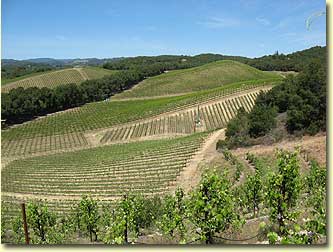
(108, 122)
(212, 116)
(147, 167)
(208, 76)
(104, 114)
(55, 78)
(145, 141)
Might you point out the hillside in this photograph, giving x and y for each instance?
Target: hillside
(51, 79)
(106, 114)
(295, 61)
(194, 79)
(87, 170)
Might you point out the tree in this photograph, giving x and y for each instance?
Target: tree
(237, 132)
(262, 119)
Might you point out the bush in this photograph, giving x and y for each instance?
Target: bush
(261, 120)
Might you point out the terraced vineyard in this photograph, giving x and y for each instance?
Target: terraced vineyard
(13, 148)
(208, 76)
(147, 167)
(102, 148)
(101, 115)
(213, 116)
(64, 131)
(56, 78)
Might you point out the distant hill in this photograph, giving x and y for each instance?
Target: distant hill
(194, 79)
(54, 78)
(289, 62)
(58, 62)
(12, 69)
(279, 62)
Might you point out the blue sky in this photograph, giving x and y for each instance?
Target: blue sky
(114, 28)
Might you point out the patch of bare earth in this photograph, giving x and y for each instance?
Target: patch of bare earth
(314, 147)
(190, 177)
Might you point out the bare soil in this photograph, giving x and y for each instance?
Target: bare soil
(189, 178)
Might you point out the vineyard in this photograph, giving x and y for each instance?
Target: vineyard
(26, 147)
(148, 167)
(56, 78)
(212, 116)
(208, 76)
(69, 130)
(127, 169)
(244, 200)
(106, 114)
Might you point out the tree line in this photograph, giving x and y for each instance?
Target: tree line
(167, 62)
(13, 70)
(301, 97)
(207, 215)
(296, 61)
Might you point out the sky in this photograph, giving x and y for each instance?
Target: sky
(112, 28)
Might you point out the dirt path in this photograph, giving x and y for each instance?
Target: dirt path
(94, 139)
(266, 87)
(83, 73)
(30, 196)
(24, 196)
(115, 97)
(190, 177)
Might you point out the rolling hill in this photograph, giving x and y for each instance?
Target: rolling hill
(51, 79)
(194, 79)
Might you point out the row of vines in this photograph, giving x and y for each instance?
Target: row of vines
(64, 131)
(211, 116)
(143, 167)
(292, 208)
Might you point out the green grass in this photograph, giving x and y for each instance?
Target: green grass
(53, 79)
(100, 115)
(208, 76)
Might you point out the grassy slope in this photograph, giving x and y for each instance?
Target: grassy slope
(106, 114)
(204, 77)
(54, 78)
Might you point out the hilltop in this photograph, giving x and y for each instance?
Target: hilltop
(208, 76)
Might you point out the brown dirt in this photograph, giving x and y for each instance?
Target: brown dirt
(116, 98)
(314, 146)
(49, 197)
(190, 177)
